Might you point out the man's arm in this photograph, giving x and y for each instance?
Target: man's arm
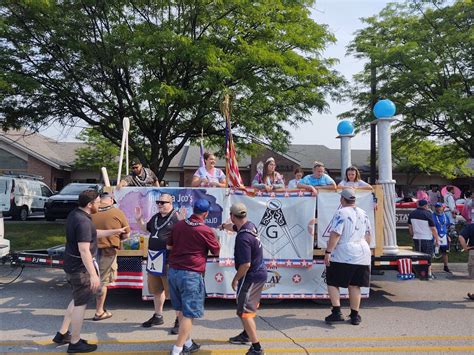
(434, 231)
(102, 233)
(241, 272)
(84, 250)
(309, 188)
(410, 230)
(139, 219)
(463, 243)
(332, 242)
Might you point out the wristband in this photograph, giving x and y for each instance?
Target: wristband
(327, 252)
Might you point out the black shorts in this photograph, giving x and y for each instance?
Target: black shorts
(81, 287)
(424, 246)
(248, 298)
(343, 275)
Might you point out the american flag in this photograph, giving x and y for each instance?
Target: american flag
(232, 168)
(129, 273)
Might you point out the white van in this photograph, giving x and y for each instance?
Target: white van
(21, 196)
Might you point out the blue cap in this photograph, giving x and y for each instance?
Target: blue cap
(201, 206)
(439, 204)
(422, 203)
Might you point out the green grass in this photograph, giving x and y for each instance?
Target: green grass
(32, 235)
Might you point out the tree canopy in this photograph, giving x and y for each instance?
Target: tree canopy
(165, 65)
(97, 153)
(420, 55)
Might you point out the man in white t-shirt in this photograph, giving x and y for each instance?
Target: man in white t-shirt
(348, 257)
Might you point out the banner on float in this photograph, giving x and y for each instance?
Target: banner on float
(282, 282)
(329, 203)
(285, 221)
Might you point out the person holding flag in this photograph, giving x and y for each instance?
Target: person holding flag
(208, 175)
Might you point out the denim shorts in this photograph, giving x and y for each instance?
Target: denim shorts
(187, 292)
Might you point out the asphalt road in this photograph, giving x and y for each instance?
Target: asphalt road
(399, 317)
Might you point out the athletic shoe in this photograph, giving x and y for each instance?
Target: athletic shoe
(175, 329)
(242, 338)
(252, 351)
(446, 269)
(155, 320)
(431, 277)
(62, 338)
(193, 348)
(181, 353)
(356, 319)
(81, 347)
(334, 317)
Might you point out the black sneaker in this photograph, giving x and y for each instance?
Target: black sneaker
(182, 352)
(334, 317)
(192, 349)
(81, 347)
(446, 269)
(355, 320)
(175, 329)
(155, 320)
(62, 338)
(242, 338)
(252, 351)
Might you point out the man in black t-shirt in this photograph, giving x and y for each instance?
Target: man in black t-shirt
(250, 278)
(466, 238)
(159, 226)
(81, 269)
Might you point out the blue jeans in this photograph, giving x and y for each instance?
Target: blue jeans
(187, 292)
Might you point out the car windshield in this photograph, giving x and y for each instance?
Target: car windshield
(76, 189)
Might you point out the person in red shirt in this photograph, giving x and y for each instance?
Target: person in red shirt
(190, 242)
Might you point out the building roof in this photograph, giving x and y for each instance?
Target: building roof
(60, 155)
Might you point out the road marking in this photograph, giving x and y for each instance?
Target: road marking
(310, 350)
(263, 340)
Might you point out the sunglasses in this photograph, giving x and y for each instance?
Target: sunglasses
(162, 202)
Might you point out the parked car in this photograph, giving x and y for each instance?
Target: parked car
(22, 195)
(59, 206)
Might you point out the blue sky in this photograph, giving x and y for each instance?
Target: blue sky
(343, 19)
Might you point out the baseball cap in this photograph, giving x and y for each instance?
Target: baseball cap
(348, 194)
(422, 203)
(439, 204)
(238, 210)
(201, 206)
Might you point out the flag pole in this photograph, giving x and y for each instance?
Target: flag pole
(225, 111)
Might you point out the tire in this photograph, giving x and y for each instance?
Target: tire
(23, 214)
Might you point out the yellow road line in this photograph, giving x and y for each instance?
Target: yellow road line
(263, 340)
(310, 350)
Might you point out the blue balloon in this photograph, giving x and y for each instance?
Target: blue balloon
(345, 127)
(384, 109)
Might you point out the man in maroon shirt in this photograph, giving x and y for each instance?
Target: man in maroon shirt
(190, 242)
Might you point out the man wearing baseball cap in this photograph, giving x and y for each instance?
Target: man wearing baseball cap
(422, 228)
(347, 257)
(190, 242)
(250, 278)
(442, 224)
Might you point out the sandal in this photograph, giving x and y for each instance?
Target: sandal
(470, 296)
(103, 316)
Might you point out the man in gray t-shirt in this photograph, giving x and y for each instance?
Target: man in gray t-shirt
(140, 176)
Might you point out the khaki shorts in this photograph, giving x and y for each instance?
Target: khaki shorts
(108, 269)
(157, 284)
(470, 264)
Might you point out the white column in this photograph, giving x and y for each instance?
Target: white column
(388, 184)
(345, 153)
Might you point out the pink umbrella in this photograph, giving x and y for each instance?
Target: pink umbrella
(457, 191)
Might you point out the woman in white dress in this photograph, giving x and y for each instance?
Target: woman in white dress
(208, 175)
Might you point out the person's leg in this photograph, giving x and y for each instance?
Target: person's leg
(158, 302)
(77, 318)
(185, 327)
(354, 297)
(100, 301)
(67, 318)
(335, 296)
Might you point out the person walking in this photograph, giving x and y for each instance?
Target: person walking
(250, 278)
(347, 257)
(422, 229)
(108, 217)
(441, 222)
(81, 269)
(159, 227)
(190, 242)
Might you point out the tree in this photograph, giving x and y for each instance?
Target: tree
(423, 58)
(165, 65)
(427, 157)
(97, 153)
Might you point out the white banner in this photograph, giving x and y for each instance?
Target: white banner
(329, 203)
(282, 282)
